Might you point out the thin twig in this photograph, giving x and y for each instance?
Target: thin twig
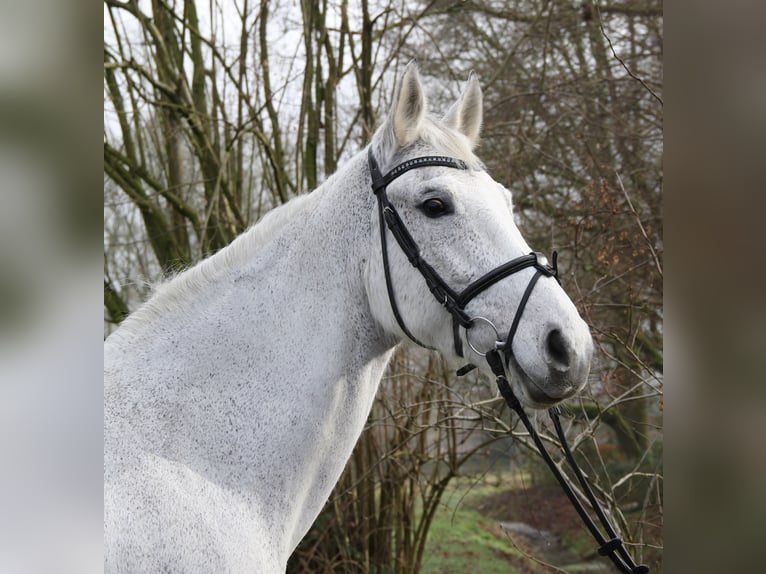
(640, 225)
(622, 62)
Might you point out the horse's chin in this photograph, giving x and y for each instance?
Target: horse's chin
(528, 391)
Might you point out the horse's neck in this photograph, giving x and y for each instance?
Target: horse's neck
(264, 383)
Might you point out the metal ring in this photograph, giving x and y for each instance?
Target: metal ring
(498, 342)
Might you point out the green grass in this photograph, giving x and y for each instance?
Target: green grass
(462, 541)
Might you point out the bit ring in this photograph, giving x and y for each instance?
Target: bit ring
(498, 343)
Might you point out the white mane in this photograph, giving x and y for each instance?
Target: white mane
(180, 287)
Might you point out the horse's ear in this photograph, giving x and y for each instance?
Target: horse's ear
(466, 113)
(409, 107)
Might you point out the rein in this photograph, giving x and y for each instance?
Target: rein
(610, 545)
(613, 547)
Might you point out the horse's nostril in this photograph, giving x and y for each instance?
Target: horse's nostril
(558, 350)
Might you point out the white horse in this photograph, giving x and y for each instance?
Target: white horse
(234, 397)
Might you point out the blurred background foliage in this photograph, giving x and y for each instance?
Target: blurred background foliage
(215, 113)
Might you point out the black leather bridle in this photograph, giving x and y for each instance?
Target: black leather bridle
(455, 304)
(452, 301)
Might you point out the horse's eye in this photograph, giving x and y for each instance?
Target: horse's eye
(435, 207)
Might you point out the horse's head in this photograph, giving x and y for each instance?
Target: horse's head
(460, 222)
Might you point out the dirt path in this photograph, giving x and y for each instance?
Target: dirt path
(540, 522)
(547, 548)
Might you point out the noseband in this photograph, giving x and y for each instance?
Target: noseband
(451, 300)
(455, 304)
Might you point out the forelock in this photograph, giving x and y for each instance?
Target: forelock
(433, 134)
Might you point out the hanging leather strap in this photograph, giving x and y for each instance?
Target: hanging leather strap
(613, 547)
